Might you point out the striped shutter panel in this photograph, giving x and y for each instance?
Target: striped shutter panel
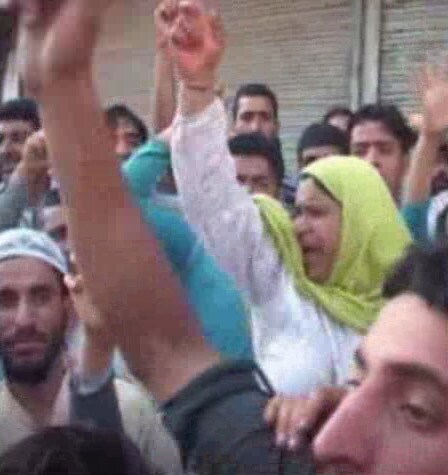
(301, 48)
(413, 31)
(125, 57)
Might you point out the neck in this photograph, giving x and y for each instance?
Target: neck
(38, 400)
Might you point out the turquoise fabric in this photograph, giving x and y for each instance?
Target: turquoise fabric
(416, 218)
(212, 292)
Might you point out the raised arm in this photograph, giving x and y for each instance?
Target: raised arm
(164, 83)
(214, 203)
(434, 98)
(124, 268)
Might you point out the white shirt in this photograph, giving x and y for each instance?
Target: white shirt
(296, 343)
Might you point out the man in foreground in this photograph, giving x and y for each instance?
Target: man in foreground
(393, 419)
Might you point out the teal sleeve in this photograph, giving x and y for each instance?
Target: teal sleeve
(416, 218)
(145, 167)
(211, 292)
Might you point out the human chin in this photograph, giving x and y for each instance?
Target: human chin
(31, 364)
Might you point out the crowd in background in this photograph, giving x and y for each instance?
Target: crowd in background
(172, 301)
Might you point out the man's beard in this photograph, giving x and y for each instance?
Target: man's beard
(33, 372)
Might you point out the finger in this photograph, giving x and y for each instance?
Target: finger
(217, 27)
(74, 283)
(191, 8)
(271, 410)
(282, 424)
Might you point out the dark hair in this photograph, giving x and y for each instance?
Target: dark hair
(391, 117)
(254, 90)
(319, 135)
(119, 111)
(21, 109)
(257, 144)
(424, 272)
(337, 111)
(73, 451)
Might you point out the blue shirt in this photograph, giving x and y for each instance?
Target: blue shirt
(212, 292)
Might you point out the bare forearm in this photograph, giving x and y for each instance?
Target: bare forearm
(418, 182)
(164, 93)
(123, 266)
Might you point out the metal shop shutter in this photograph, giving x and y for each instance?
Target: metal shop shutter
(301, 48)
(413, 31)
(125, 57)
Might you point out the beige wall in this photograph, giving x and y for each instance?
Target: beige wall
(301, 48)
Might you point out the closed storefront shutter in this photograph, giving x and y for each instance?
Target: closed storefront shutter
(301, 48)
(413, 31)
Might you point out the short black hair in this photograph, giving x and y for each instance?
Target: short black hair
(256, 143)
(337, 111)
(21, 109)
(424, 272)
(119, 111)
(254, 90)
(73, 451)
(392, 118)
(319, 135)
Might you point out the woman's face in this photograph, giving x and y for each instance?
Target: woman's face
(318, 225)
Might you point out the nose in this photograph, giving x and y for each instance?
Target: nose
(373, 158)
(256, 124)
(349, 438)
(25, 314)
(123, 150)
(302, 225)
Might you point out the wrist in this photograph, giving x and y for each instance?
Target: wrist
(195, 97)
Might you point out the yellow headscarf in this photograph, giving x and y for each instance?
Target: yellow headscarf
(373, 238)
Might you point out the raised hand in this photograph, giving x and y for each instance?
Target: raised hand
(196, 43)
(433, 90)
(95, 327)
(34, 166)
(57, 38)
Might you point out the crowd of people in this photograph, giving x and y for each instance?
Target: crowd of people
(172, 301)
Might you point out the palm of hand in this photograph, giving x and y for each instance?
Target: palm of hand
(198, 55)
(436, 107)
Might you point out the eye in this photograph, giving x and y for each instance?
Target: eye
(418, 415)
(353, 383)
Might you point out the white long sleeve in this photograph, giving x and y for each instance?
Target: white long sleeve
(219, 208)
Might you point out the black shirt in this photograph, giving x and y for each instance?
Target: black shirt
(218, 422)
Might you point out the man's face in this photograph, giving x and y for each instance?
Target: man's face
(395, 419)
(255, 173)
(312, 154)
(33, 319)
(13, 135)
(127, 139)
(373, 142)
(256, 114)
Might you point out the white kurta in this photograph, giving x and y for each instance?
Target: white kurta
(295, 342)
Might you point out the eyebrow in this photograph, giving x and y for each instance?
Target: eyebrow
(409, 371)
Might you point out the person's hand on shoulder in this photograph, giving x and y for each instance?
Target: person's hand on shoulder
(296, 420)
